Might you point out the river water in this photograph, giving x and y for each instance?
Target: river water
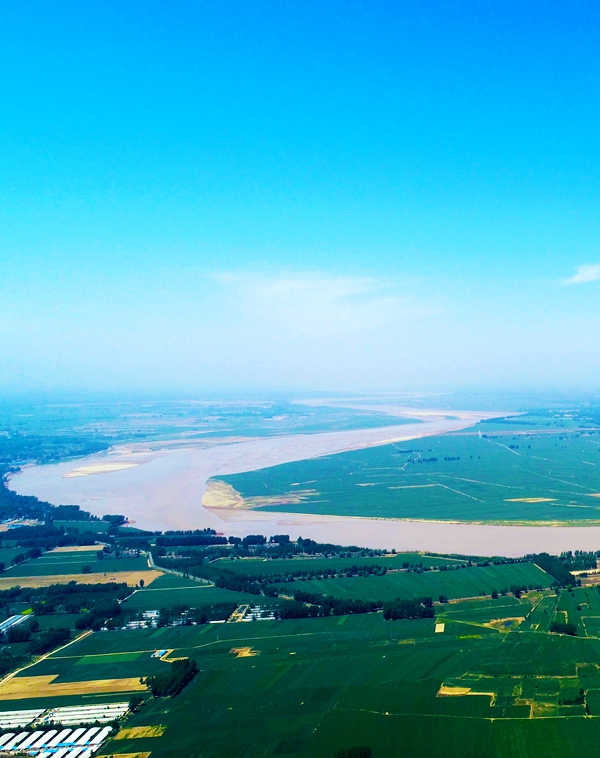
(164, 484)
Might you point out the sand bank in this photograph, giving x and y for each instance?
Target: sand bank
(166, 493)
(98, 468)
(222, 495)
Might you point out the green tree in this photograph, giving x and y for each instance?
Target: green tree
(19, 633)
(135, 702)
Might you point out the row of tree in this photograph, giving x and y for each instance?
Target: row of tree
(419, 608)
(553, 565)
(171, 682)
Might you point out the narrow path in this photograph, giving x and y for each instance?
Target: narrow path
(204, 582)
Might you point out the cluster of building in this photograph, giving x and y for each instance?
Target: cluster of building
(149, 620)
(66, 739)
(54, 743)
(251, 613)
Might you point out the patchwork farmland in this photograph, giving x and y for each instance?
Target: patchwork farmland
(465, 582)
(267, 684)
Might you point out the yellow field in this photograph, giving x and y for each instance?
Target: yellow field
(445, 691)
(450, 691)
(135, 732)
(244, 652)
(23, 687)
(76, 549)
(132, 578)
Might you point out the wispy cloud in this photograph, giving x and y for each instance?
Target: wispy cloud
(585, 274)
(324, 305)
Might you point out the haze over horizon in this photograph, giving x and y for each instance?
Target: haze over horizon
(299, 196)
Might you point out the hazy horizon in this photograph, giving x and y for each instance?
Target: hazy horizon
(299, 197)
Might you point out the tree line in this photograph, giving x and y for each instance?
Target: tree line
(171, 682)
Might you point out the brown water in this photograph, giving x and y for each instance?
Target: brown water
(165, 489)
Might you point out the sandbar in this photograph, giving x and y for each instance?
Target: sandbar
(167, 491)
(98, 468)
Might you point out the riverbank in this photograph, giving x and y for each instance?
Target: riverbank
(165, 488)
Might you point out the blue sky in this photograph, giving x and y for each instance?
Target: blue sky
(299, 195)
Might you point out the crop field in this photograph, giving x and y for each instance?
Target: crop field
(131, 578)
(253, 566)
(498, 472)
(64, 565)
(464, 582)
(55, 564)
(486, 611)
(174, 581)
(83, 673)
(309, 687)
(20, 688)
(314, 686)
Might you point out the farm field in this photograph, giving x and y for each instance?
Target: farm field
(159, 596)
(64, 565)
(132, 578)
(465, 582)
(307, 688)
(56, 564)
(534, 472)
(486, 611)
(254, 566)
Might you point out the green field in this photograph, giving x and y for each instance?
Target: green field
(482, 685)
(483, 611)
(319, 685)
(464, 582)
(460, 476)
(255, 566)
(50, 564)
(173, 581)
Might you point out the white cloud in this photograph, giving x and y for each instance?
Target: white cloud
(186, 328)
(585, 274)
(322, 305)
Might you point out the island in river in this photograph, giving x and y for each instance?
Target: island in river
(161, 485)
